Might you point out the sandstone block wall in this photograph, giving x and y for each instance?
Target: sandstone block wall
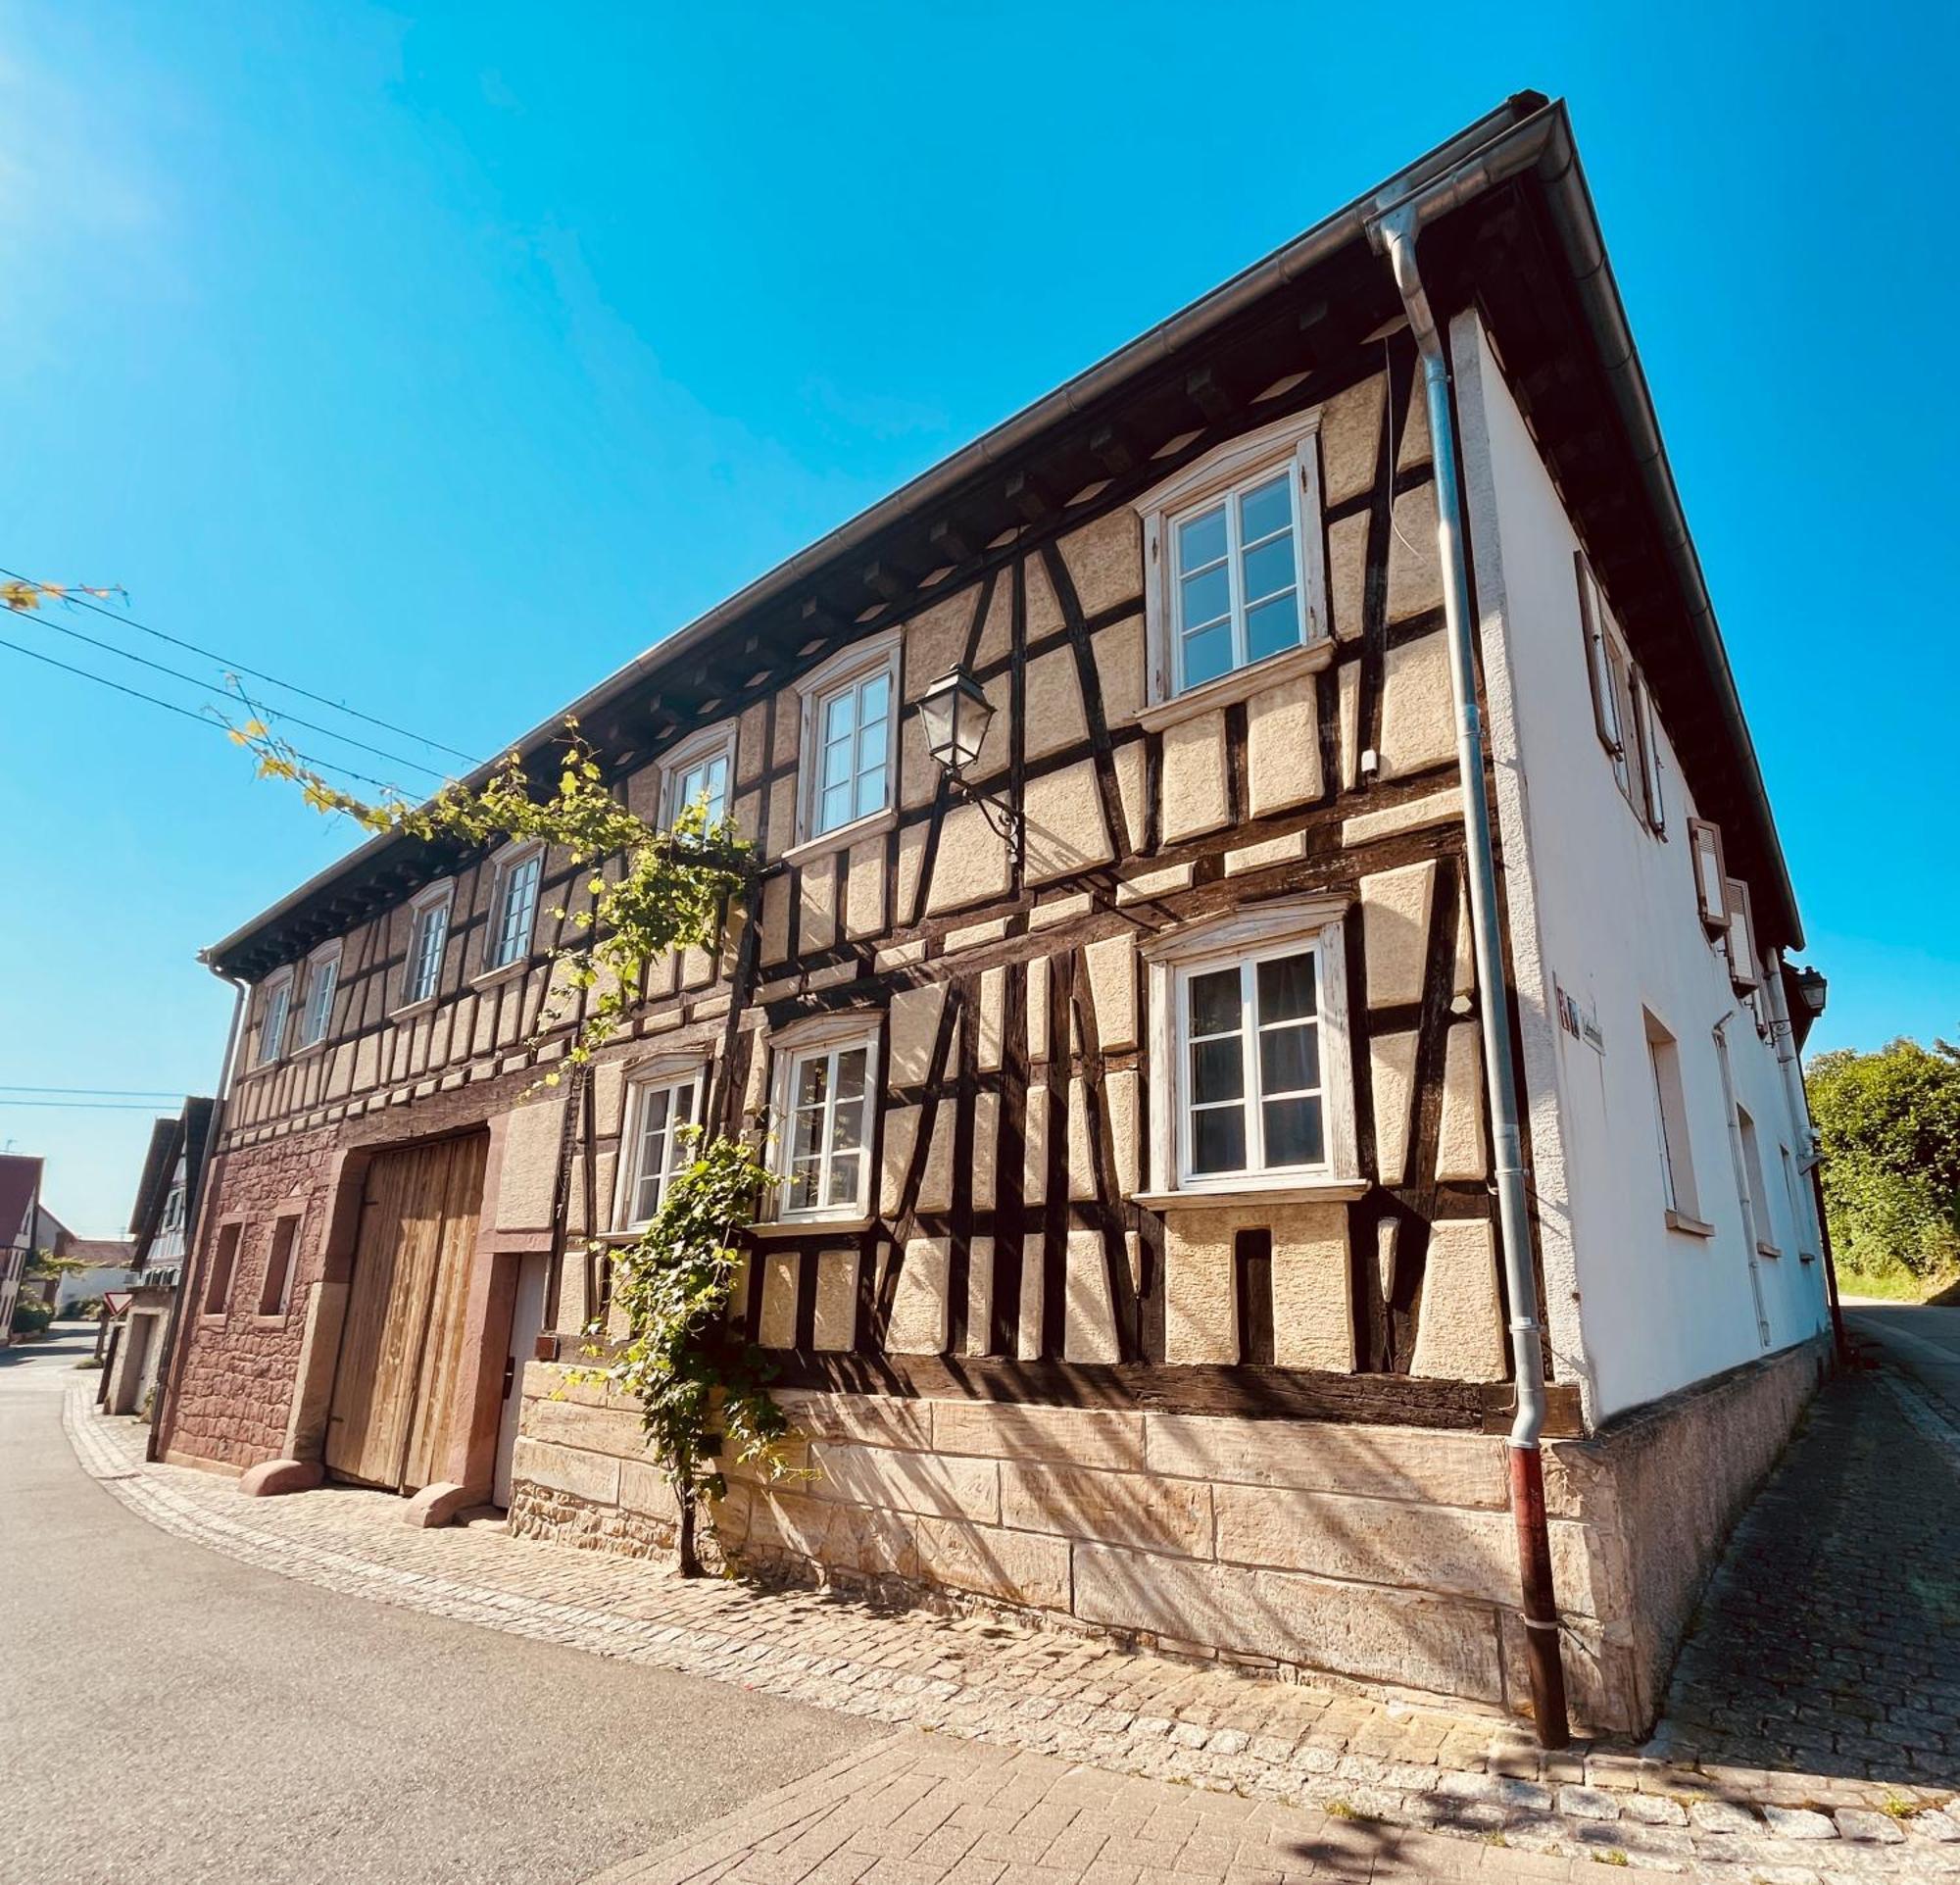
(1383, 1556)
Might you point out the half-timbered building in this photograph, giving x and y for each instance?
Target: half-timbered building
(1136, 1259)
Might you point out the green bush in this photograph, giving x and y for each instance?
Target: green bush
(1890, 1128)
(32, 1315)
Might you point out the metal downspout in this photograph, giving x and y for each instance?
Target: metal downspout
(1394, 233)
(1812, 1166)
(169, 1366)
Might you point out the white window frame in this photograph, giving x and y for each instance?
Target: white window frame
(275, 1004)
(824, 1035)
(425, 904)
(1681, 1201)
(505, 865)
(1284, 928)
(667, 1074)
(325, 961)
(1221, 474)
(1623, 710)
(850, 667)
(695, 750)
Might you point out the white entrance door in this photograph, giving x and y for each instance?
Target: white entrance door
(527, 1318)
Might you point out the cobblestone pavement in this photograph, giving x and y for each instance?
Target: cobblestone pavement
(923, 1809)
(1240, 1740)
(1830, 1640)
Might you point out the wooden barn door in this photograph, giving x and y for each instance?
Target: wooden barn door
(395, 1387)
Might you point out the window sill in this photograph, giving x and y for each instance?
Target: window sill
(409, 1010)
(306, 1051)
(267, 1319)
(502, 973)
(1309, 1191)
(1689, 1226)
(806, 1227)
(872, 824)
(1241, 684)
(1767, 1249)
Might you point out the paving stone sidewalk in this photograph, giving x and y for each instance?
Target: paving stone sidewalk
(1212, 1730)
(925, 1809)
(1829, 1642)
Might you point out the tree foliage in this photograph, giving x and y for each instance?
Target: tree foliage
(700, 1383)
(1889, 1124)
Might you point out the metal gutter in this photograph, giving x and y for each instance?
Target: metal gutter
(992, 449)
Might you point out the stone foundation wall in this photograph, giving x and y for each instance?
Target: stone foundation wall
(1668, 1481)
(1380, 1554)
(1384, 1556)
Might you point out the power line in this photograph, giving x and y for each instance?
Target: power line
(291, 687)
(198, 680)
(170, 707)
(84, 1106)
(102, 1092)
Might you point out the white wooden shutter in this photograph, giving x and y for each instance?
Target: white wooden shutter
(1704, 844)
(1743, 968)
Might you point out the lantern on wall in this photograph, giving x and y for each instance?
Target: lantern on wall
(956, 713)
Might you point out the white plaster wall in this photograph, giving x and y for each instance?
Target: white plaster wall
(1608, 912)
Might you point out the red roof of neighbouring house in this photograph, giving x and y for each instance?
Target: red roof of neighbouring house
(20, 1188)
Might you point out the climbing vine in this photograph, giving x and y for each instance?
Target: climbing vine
(651, 889)
(698, 1382)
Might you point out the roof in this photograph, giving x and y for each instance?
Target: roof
(182, 1135)
(19, 1187)
(101, 1253)
(1514, 207)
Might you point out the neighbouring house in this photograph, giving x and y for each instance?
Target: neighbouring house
(103, 1263)
(1138, 1259)
(19, 1204)
(160, 1222)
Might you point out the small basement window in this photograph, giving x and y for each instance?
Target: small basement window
(224, 1261)
(276, 1287)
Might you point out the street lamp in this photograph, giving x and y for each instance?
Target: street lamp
(956, 713)
(1811, 990)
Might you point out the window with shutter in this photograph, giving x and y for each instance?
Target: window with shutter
(1744, 970)
(1592, 624)
(1650, 764)
(1711, 874)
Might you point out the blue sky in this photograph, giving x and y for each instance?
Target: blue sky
(443, 358)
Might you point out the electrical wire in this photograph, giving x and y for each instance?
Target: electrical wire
(198, 680)
(170, 707)
(102, 1092)
(291, 687)
(84, 1106)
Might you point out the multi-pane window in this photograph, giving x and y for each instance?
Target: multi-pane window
(428, 931)
(828, 1132)
(1252, 1095)
(323, 973)
(657, 1145)
(702, 782)
(1677, 1167)
(852, 725)
(1623, 711)
(513, 907)
(1236, 567)
(273, 1022)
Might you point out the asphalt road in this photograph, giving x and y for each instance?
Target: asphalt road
(1919, 1338)
(168, 1714)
